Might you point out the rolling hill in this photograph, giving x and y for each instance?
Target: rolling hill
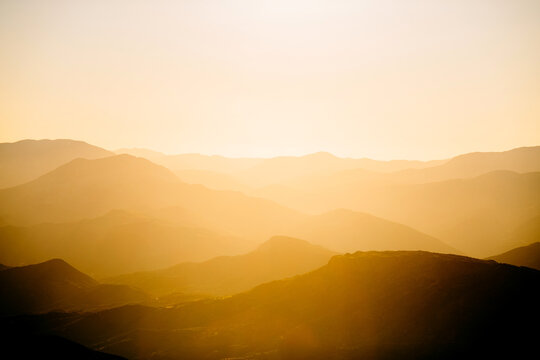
(523, 256)
(91, 188)
(277, 258)
(56, 285)
(520, 160)
(376, 305)
(85, 189)
(115, 243)
(349, 231)
(257, 172)
(26, 160)
(477, 216)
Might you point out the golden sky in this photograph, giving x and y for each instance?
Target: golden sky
(418, 79)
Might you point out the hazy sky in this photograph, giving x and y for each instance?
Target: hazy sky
(384, 79)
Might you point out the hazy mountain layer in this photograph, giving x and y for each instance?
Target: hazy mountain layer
(115, 243)
(477, 215)
(26, 160)
(277, 258)
(91, 188)
(523, 256)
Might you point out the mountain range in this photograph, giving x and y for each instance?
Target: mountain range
(279, 257)
(380, 305)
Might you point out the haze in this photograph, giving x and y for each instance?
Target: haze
(269, 180)
(379, 79)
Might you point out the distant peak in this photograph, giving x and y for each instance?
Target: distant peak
(322, 154)
(282, 242)
(56, 262)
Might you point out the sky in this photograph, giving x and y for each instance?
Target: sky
(417, 79)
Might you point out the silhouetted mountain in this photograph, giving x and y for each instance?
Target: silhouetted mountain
(4, 267)
(25, 160)
(275, 259)
(374, 305)
(116, 243)
(56, 285)
(523, 256)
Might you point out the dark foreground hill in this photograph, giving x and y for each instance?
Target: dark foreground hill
(56, 285)
(23, 346)
(368, 305)
(523, 256)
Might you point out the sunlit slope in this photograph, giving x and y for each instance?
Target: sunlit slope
(349, 231)
(56, 285)
(277, 258)
(523, 256)
(115, 243)
(376, 305)
(474, 215)
(90, 188)
(26, 160)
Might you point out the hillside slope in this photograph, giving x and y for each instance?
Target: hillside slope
(55, 285)
(523, 256)
(277, 258)
(376, 305)
(115, 243)
(26, 160)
